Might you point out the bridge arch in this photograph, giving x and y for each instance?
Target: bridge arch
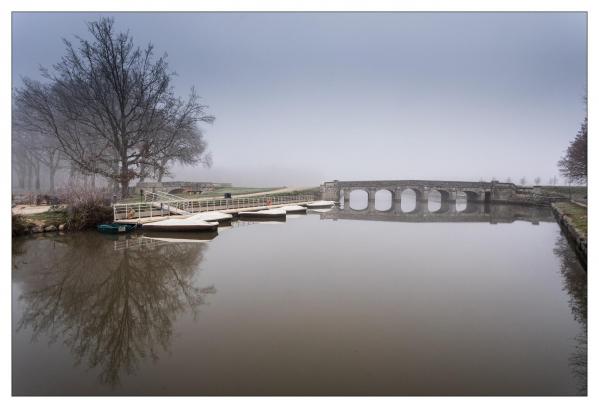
(358, 199)
(411, 200)
(438, 200)
(383, 200)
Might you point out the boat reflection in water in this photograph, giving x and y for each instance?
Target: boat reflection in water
(112, 309)
(151, 239)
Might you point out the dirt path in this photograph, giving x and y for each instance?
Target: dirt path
(30, 209)
(277, 191)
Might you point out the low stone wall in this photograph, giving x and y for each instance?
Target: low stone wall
(577, 238)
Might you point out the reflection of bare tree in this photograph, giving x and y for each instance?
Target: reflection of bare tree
(112, 308)
(575, 283)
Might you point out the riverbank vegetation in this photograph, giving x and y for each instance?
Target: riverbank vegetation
(82, 208)
(576, 214)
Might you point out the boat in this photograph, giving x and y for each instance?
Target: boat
(294, 209)
(176, 237)
(181, 225)
(321, 210)
(275, 213)
(115, 228)
(211, 216)
(320, 204)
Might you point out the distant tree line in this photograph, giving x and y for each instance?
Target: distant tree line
(107, 108)
(551, 181)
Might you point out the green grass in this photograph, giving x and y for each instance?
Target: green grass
(315, 191)
(219, 192)
(575, 192)
(49, 217)
(576, 213)
(216, 193)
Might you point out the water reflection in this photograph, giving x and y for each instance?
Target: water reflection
(112, 309)
(575, 284)
(473, 212)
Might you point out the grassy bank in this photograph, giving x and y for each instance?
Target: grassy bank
(216, 193)
(576, 193)
(577, 215)
(315, 191)
(64, 219)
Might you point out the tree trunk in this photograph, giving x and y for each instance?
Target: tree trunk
(21, 177)
(124, 176)
(142, 172)
(52, 175)
(29, 177)
(37, 177)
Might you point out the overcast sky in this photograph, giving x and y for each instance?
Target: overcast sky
(300, 98)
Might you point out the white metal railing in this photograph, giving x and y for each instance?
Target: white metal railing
(165, 207)
(160, 196)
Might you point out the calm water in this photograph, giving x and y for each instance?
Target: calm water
(483, 302)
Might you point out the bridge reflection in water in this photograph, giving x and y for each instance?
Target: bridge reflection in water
(473, 212)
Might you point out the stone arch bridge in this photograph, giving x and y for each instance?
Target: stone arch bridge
(476, 192)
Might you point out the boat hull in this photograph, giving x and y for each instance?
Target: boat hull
(180, 228)
(115, 228)
(258, 216)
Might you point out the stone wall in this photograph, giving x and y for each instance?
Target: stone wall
(577, 239)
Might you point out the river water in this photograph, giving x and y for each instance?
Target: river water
(486, 301)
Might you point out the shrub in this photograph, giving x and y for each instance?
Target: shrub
(20, 225)
(86, 207)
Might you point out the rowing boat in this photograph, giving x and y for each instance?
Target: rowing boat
(116, 228)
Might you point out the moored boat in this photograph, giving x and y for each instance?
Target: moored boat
(320, 204)
(275, 213)
(181, 225)
(174, 237)
(115, 228)
(293, 209)
(211, 216)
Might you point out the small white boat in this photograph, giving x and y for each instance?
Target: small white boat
(320, 204)
(181, 225)
(211, 216)
(271, 214)
(321, 210)
(293, 209)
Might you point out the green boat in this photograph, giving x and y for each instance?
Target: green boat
(116, 228)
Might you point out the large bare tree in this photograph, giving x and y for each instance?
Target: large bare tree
(111, 106)
(573, 165)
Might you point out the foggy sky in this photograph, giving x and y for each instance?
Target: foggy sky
(300, 98)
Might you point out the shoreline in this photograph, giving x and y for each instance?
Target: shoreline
(567, 215)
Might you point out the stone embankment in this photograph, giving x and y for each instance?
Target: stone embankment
(572, 219)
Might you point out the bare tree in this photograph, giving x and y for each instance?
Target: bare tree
(523, 181)
(537, 180)
(111, 106)
(508, 180)
(573, 165)
(41, 148)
